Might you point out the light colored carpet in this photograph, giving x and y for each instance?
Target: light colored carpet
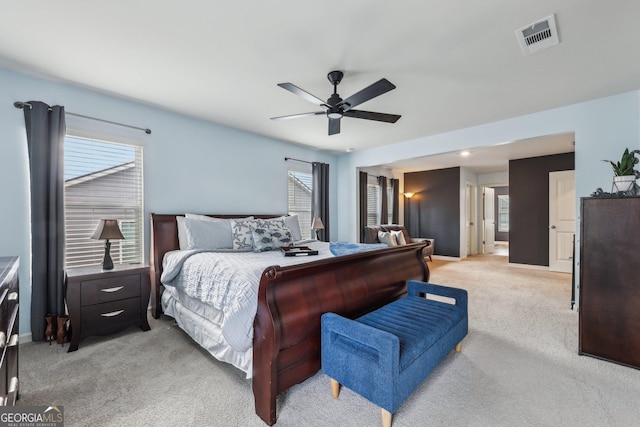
(518, 367)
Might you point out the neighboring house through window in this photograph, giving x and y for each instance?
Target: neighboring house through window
(300, 187)
(103, 179)
(374, 201)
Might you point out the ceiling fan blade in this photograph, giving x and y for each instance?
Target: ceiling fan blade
(370, 115)
(306, 95)
(369, 92)
(334, 126)
(296, 116)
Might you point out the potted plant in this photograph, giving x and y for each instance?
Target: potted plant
(624, 171)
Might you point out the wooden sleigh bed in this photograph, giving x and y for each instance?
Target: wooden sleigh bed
(291, 300)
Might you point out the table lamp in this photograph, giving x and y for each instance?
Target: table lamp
(107, 230)
(317, 225)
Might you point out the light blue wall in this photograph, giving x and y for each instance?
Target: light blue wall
(189, 164)
(603, 129)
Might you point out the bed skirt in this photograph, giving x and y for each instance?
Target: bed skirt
(199, 322)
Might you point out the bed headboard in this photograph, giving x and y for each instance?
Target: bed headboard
(164, 238)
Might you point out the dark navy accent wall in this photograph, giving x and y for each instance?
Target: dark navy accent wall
(434, 210)
(529, 206)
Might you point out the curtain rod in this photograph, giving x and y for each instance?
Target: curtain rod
(21, 105)
(303, 161)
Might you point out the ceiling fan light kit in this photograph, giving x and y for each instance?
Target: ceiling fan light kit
(337, 108)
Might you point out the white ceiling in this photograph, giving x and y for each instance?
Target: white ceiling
(455, 64)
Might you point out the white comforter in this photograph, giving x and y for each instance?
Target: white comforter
(229, 282)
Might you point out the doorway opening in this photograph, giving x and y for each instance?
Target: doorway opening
(495, 220)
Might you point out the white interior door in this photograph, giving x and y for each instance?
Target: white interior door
(562, 220)
(488, 221)
(469, 219)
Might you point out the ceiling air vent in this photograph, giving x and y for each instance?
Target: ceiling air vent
(538, 36)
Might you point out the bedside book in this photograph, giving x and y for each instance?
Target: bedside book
(298, 251)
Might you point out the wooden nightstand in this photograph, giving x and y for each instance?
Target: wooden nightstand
(103, 302)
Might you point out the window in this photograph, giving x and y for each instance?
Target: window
(102, 180)
(390, 204)
(503, 213)
(300, 186)
(374, 201)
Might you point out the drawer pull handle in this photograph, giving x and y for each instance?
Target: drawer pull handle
(112, 314)
(110, 290)
(13, 341)
(13, 385)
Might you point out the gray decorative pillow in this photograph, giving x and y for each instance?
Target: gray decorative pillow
(268, 239)
(241, 230)
(278, 222)
(241, 236)
(207, 234)
(387, 238)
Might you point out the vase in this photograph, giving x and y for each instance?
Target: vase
(623, 183)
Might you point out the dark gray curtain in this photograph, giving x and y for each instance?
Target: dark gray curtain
(384, 200)
(395, 184)
(45, 137)
(362, 186)
(320, 207)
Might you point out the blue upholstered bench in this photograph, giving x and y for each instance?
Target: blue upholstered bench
(386, 354)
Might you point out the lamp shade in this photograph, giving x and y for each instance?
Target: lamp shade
(317, 224)
(107, 229)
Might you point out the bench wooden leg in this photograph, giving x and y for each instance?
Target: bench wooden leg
(386, 418)
(459, 347)
(335, 388)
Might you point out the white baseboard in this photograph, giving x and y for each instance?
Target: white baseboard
(24, 338)
(529, 266)
(446, 258)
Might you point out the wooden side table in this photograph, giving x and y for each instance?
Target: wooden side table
(104, 302)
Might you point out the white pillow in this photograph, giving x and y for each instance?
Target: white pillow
(207, 234)
(204, 217)
(182, 233)
(388, 238)
(399, 235)
(293, 224)
(210, 218)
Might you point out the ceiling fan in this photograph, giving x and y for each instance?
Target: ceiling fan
(336, 108)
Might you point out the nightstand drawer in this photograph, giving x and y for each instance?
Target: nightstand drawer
(109, 289)
(109, 317)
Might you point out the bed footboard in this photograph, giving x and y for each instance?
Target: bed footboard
(291, 300)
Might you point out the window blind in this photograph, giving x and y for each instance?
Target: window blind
(102, 180)
(300, 186)
(374, 202)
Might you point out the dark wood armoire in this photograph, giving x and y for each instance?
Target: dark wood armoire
(610, 279)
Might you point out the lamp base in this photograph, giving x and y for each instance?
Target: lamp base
(107, 262)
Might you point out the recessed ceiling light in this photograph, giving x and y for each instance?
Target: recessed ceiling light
(465, 153)
(350, 150)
